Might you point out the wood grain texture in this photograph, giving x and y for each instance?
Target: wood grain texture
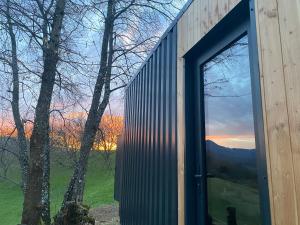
(199, 18)
(289, 22)
(233, 3)
(278, 72)
(222, 8)
(180, 128)
(265, 123)
(181, 140)
(213, 13)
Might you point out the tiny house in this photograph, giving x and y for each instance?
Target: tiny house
(212, 120)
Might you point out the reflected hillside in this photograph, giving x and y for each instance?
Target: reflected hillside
(234, 164)
(232, 185)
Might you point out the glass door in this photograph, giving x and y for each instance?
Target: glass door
(229, 139)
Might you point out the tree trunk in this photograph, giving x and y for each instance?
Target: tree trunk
(32, 206)
(23, 153)
(46, 214)
(76, 186)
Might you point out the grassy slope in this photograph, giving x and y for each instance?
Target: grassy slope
(99, 189)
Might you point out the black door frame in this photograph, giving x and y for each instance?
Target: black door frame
(239, 22)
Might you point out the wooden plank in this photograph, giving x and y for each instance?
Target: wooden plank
(181, 139)
(232, 4)
(265, 124)
(186, 34)
(191, 28)
(204, 18)
(200, 17)
(289, 20)
(277, 121)
(213, 13)
(210, 14)
(197, 19)
(180, 26)
(180, 120)
(223, 8)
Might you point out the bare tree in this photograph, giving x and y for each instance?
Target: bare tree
(12, 59)
(33, 197)
(76, 186)
(45, 52)
(46, 58)
(115, 63)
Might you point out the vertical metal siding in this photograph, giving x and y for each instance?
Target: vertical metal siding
(147, 175)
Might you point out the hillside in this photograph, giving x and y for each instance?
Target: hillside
(236, 165)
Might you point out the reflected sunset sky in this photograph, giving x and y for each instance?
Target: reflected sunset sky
(234, 141)
(228, 99)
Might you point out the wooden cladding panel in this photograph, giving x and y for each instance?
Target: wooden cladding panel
(200, 17)
(265, 123)
(276, 117)
(289, 20)
(278, 23)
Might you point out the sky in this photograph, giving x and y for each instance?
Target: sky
(88, 43)
(229, 117)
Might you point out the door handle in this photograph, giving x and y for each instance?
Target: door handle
(199, 176)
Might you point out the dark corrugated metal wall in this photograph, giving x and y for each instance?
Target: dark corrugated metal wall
(148, 172)
(118, 169)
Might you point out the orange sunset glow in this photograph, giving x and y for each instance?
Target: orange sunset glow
(233, 141)
(7, 128)
(67, 133)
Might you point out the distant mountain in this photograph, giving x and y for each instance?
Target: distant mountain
(234, 164)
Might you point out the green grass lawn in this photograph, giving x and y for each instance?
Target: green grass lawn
(98, 191)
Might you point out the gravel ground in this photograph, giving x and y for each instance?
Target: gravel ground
(106, 215)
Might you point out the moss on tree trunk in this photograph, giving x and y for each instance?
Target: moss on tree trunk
(74, 213)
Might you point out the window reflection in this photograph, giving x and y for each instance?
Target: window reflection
(233, 197)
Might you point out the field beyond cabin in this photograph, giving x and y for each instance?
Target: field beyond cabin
(98, 192)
